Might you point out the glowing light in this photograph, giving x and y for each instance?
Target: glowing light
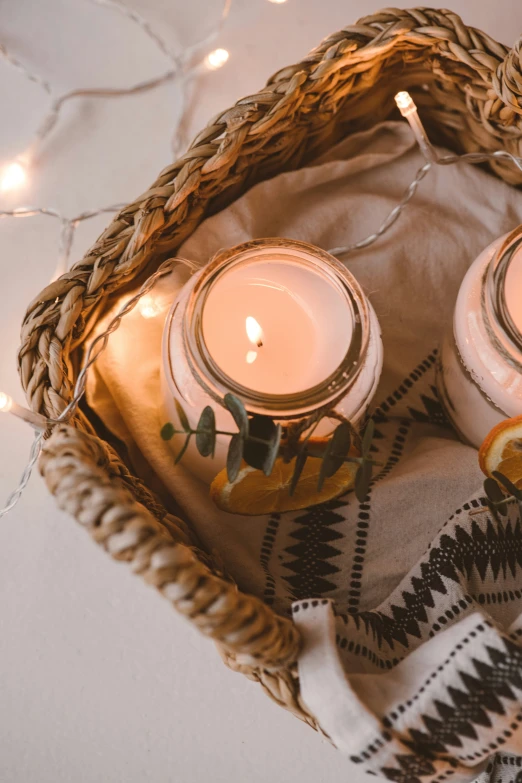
(216, 59)
(405, 103)
(408, 109)
(251, 357)
(279, 2)
(13, 176)
(149, 308)
(6, 402)
(254, 331)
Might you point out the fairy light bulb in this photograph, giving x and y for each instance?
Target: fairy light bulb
(405, 103)
(277, 2)
(149, 307)
(36, 420)
(408, 109)
(13, 176)
(6, 402)
(216, 59)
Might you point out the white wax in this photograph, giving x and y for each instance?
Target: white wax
(513, 289)
(481, 366)
(303, 322)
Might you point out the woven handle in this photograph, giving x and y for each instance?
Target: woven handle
(475, 94)
(78, 472)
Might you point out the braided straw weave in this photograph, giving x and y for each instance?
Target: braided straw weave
(469, 90)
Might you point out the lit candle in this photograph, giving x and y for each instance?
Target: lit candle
(280, 324)
(275, 327)
(480, 374)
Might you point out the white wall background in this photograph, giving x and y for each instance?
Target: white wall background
(99, 679)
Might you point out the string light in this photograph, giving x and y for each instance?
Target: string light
(8, 405)
(149, 307)
(408, 109)
(15, 174)
(6, 402)
(13, 177)
(216, 59)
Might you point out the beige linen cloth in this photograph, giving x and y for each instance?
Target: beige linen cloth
(410, 608)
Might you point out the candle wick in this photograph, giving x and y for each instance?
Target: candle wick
(259, 343)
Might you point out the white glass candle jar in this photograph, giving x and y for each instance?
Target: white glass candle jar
(480, 372)
(283, 326)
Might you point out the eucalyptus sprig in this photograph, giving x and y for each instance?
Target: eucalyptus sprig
(497, 499)
(259, 440)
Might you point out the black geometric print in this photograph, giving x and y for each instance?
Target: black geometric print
(410, 768)
(472, 704)
(267, 547)
(433, 412)
(315, 534)
(496, 549)
(363, 523)
(406, 386)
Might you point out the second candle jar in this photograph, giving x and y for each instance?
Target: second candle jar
(283, 326)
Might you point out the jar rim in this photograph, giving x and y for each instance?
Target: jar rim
(324, 394)
(495, 302)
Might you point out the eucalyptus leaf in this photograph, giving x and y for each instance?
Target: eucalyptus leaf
(300, 462)
(341, 443)
(511, 488)
(368, 437)
(183, 449)
(272, 451)
(325, 465)
(363, 478)
(167, 431)
(206, 432)
(239, 414)
(262, 455)
(254, 454)
(182, 416)
(495, 510)
(493, 491)
(496, 498)
(234, 456)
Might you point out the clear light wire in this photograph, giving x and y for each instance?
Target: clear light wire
(408, 110)
(34, 455)
(97, 346)
(179, 69)
(392, 218)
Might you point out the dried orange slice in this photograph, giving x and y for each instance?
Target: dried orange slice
(253, 493)
(502, 451)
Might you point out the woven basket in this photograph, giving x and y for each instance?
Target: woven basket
(469, 90)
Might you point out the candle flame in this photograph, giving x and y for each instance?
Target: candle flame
(254, 331)
(251, 357)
